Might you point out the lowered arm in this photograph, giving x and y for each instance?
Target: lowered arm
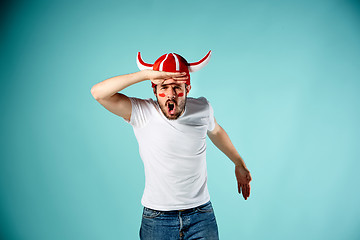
(222, 141)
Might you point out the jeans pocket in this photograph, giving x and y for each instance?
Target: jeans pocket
(150, 213)
(207, 208)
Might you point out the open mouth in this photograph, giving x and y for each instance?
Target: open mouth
(171, 108)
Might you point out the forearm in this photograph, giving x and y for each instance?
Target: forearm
(222, 141)
(113, 85)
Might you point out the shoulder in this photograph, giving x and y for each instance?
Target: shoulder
(142, 102)
(198, 101)
(143, 106)
(198, 111)
(142, 111)
(197, 106)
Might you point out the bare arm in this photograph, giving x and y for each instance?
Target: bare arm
(106, 92)
(222, 141)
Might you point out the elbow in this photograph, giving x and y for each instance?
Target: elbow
(95, 93)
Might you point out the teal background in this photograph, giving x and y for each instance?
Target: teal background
(283, 81)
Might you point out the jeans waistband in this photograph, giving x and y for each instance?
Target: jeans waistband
(182, 210)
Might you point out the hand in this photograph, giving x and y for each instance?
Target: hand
(161, 77)
(243, 178)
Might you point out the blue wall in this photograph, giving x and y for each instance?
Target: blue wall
(283, 81)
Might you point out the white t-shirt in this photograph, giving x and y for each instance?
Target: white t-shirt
(173, 153)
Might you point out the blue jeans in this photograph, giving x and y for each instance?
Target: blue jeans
(194, 223)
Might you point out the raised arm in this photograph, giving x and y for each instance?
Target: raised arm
(222, 141)
(106, 92)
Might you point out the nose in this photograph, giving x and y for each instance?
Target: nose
(171, 93)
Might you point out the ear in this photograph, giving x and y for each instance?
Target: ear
(188, 87)
(154, 89)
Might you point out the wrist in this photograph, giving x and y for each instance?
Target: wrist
(144, 74)
(239, 162)
(241, 165)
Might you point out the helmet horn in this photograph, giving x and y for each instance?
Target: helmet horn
(141, 64)
(196, 66)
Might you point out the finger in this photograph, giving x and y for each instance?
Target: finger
(249, 178)
(165, 81)
(181, 81)
(180, 78)
(239, 188)
(176, 74)
(158, 81)
(181, 73)
(244, 192)
(247, 192)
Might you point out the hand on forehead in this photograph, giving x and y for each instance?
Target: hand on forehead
(172, 62)
(172, 81)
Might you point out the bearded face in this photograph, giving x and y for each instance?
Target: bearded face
(172, 98)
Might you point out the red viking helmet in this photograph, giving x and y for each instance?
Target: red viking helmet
(173, 62)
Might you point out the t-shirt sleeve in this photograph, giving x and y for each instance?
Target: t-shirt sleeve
(211, 124)
(140, 111)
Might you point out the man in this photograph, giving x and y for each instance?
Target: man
(171, 133)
